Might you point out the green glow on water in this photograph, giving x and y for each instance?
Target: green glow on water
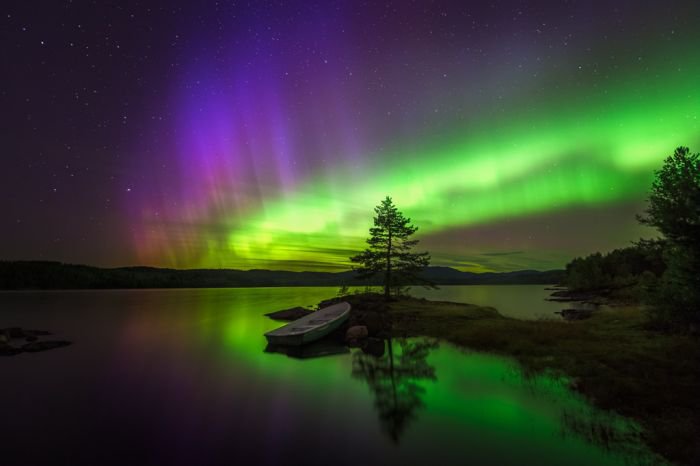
(195, 357)
(478, 402)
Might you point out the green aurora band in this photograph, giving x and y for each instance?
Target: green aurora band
(588, 149)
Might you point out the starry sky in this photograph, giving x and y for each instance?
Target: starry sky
(261, 134)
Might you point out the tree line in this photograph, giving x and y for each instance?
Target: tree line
(47, 275)
(620, 271)
(663, 273)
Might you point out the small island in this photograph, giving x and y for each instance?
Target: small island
(612, 358)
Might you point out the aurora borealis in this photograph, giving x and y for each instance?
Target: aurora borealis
(261, 136)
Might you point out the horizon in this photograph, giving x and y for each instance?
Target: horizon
(432, 266)
(262, 137)
(379, 232)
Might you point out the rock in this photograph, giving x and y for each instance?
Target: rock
(289, 314)
(355, 333)
(575, 314)
(18, 332)
(567, 295)
(44, 345)
(8, 350)
(31, 337)
(15, 332)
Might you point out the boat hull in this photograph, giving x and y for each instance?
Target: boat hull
(280, 337)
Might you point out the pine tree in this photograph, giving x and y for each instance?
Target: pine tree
(389, 249)
(674, 209)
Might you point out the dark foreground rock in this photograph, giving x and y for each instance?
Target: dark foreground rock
(37, 346)
(16, 340)
(575, 314)
(17, 333)
(356, 333)
(618, 296)
(14, 332)
(9, 350)
(591, 297)
(289, 314)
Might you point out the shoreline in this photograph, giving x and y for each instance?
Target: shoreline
(234, 287)
(611, 359)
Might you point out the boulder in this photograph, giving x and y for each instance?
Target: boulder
(8, 350)
(575, 314)
(355, 333)
(15, 332)
(44, 345)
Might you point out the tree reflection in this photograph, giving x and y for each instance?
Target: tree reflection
(395, 379)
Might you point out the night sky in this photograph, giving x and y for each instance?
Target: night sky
(262, 134)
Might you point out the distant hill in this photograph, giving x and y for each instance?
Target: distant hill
(18, 275)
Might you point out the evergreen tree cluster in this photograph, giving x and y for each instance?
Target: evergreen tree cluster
(389, 253)
(665, 272)
(674, 209)
(634, 268)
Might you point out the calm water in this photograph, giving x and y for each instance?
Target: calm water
(181, 377)
(517, 301)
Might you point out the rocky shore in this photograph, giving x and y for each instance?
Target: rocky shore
(15, 340)
(613, 296)
(610, 357)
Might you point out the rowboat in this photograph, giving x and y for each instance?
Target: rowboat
(311, 327)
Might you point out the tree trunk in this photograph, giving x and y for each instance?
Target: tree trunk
(393, 378)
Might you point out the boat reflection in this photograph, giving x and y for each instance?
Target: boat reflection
(321, 348)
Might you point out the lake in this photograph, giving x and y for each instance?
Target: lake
(181, 377)
(517, 301)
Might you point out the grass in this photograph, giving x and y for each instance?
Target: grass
(611, 358)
